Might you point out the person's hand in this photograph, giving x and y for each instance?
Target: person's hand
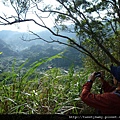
(92, 77)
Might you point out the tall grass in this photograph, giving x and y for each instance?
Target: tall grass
(51, 92)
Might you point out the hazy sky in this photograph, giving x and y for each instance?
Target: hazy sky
(23, 27)
(26, 26)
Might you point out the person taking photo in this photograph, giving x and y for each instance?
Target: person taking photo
(107, 102)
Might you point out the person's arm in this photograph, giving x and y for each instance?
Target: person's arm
(107, 87)
(97, 101)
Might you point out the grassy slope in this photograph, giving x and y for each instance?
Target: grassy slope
(51, 92)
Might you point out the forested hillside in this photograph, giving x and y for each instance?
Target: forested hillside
(36, 52)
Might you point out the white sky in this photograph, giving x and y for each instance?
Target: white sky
(23, 27)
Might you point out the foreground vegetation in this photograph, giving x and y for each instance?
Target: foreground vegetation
(54, 91)
(36, 84)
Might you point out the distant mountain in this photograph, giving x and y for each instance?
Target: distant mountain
(6, 50)
(14, 39)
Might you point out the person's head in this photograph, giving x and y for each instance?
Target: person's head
(115, 71)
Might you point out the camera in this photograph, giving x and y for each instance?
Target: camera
(98, 74)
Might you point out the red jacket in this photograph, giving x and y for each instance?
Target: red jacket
(107, 103)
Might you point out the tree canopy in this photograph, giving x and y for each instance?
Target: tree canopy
(96, 24)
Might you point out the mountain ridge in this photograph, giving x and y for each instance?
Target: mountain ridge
(14, 39)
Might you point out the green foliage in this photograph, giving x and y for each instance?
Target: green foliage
(97, 32)
(111, 43)
(13, 88)
(52, 91)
